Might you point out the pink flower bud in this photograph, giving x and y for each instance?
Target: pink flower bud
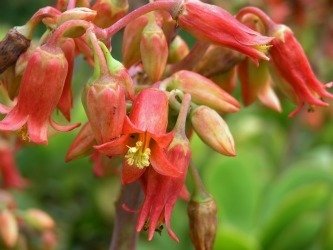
(131, 41)
(38, 219)
(218, 26)
(213, 130)
(9, 229)
(109, 11)
(178, 50)
(154, 50)
(202, 90)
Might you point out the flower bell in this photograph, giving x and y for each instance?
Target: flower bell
(292, 65)
(218, 26)
(144, 138)
(41, 87)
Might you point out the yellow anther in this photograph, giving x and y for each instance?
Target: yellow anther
(138, 155)
(263, 48)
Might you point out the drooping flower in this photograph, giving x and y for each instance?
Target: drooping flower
(144, 138)
(157, 206)
(218, 26)
(41, 87)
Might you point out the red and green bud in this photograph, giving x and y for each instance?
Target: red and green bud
(154, 49)
(9, 230)
(109, 11)
(131, 41)
(202, 90)
(82, 144)
(256, 83)
(38, 219)
(178, 50)
(41, 88)
(213, 130)
(218, 26)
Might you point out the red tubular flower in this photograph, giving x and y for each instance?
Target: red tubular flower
(157, 206)
(292, 64)
(66, 100)
(220, 27)
(144, 138)
(40, 91)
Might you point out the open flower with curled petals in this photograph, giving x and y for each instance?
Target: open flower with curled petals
(144, 138)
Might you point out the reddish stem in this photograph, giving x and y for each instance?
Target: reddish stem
(266, 20)
(98, 53)
(121, 23)
(182, 116)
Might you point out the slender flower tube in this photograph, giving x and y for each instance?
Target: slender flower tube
(216, 25)
(144, 138)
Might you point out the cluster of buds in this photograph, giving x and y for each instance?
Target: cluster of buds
(25, 229)
(142, 111)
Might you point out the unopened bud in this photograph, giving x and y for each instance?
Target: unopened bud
(213, 130)
(8, 228)
(109, 11)
(11, 47)
(131, 41)
(203, 223)
(80, 13)
(217, 60)
(202, 90)
(154, 50)
(38, 219)
(178, 50)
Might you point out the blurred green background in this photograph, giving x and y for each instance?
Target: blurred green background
(275, 195)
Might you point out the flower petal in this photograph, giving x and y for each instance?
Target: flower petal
(163, 140)
(114, 147)
(130, 173)
(160, 163)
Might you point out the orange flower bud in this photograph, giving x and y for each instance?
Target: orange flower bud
(80, 13)
(213, 130)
